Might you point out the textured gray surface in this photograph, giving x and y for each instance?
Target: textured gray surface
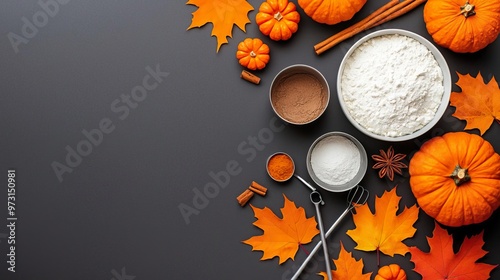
(116, 214)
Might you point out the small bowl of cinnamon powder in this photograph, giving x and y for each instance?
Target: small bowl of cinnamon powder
(299, 94)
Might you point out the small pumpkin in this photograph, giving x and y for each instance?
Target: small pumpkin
(456, 178)
(253, 54)
(463, 26)
(278, 19)
(390, 272)
(331, 11)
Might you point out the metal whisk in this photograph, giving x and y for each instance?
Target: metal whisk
(357, 196)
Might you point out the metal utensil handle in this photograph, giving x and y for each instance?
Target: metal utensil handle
(319, 244)
(305, 183)
(356, 197)
(323, 241)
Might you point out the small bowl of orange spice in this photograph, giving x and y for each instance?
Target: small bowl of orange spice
(280, 167)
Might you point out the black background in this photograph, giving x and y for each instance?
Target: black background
(116, 215)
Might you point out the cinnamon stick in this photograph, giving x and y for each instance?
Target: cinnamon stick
(258, 188)
(377, 12)
(244, 197)
(384, 14)
(257, 191)
(247, 76)
(405, 9)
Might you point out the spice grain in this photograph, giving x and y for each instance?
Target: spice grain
(280, 167)
(299, 98)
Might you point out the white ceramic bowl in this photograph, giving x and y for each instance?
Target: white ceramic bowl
(446, 84)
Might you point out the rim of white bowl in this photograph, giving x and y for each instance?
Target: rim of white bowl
(446, 83)
(354, 181)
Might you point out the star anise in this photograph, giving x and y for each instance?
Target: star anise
(388, 163)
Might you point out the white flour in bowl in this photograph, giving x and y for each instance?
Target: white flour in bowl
(392, 85)
(335, 160)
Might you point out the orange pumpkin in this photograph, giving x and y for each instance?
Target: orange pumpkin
(391, 272)
(463, 26)
(278, 19)
(253, 54)
(331, 11)
(456, 178)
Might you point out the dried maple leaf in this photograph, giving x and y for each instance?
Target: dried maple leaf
(223, 14)
(383, 230)
(478, 103)
(442, 263)
(282, 237)
(347, 267)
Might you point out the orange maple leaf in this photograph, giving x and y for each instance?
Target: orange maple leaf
(223, 14)
(384, 231)
(282, 237)
(347, 267)
(442, 263)
(478, 103)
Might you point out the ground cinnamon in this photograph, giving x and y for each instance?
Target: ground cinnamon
(299, 98)
(280, 167)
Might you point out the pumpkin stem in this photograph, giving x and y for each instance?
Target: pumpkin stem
(278, 16)
(460, 175)
(467, 9)
(253, 54)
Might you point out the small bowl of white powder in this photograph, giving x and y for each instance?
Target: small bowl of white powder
(393, 85)
(336, 161)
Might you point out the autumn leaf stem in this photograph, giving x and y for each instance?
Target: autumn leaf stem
(303, 248)
(271, 241)
(375, 230)
(378, 257)
(463, 264)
